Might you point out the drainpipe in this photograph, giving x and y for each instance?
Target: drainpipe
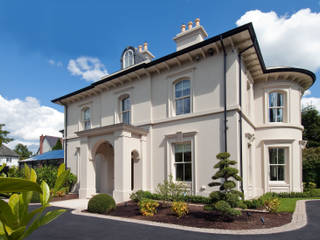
(224, 94)
(240, 112)
(65, 134)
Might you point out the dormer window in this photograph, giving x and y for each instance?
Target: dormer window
(128, 58)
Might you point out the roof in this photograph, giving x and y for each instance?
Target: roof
(7, 152)
(218, 38)
(52, 155)
(52, 140)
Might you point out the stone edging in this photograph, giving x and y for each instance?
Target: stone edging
(299, 220)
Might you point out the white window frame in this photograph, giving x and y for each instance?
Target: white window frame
(284, 165)
(126, 55)
(121, 99)
(285, 90)
(282, 107)
(182, 162)
(182, 97)
(83, 120)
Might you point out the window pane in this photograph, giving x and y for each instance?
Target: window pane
(86, 114)
(280, 99)
(186, 87)
(179, 172)
(126, 117)
(273, 99)
(179, 106)
(273, 155)
(178, 148)
(272, 114)
(186, 105)
(179, 89)
(187, 157)
(126, 104)
(280, 156)
(273, 173)
(280, 173)
(87, 124)
(187, 172)
(178, 157)
(279, 114)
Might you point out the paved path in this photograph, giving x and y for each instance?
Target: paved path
(70, 226)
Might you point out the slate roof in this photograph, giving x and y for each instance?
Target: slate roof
(52, 140)
(7, 152)
(52, 155)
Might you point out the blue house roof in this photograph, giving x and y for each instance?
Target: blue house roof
(52, 155)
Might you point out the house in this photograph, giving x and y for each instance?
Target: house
(55, 157)
(8, 157)
(46, 143)
(171, 116)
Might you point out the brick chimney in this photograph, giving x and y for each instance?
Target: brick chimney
(41, 144)
(191, 35)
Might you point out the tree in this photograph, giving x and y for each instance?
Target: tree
(23, 151)
(3, 135)
(311, 122)
(58, 145)
(311, 165)
(227, 198)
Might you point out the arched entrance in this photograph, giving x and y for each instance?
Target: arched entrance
(104, 165)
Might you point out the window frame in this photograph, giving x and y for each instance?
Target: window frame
(83, 120)
(281, 107)
(183, 163)
(277, 165)
(121, 111)
(125, 56)
(183, 97)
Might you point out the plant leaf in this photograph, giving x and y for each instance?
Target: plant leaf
(60, 180)
(61, 169)
(6, 215)
(45, 195)
(9, 185)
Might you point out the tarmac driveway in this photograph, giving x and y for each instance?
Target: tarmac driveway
(69, 226)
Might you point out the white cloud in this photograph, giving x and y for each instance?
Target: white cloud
(55, 63)
(51, 62)
(307, 93)
(314, 101)
(291, 40)
(89, 68)
(26, 119)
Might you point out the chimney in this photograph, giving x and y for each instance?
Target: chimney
(41, 144)
(145, 52)
(190, 36)
(140, 48)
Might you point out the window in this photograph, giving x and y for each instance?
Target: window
(277, 164)
(86, 119)
(183, 162)
(182, 97)
(125, 110)
(276, 107)
(9, 160)
(128, 58)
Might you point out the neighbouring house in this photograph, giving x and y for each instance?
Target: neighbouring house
(8, 157)
(55, 157)
(171, 116)
(46, 143)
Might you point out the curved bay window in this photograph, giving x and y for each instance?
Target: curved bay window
(182, 97)
(128, 58)
(125, 114)
(276, 107)
(86, 118)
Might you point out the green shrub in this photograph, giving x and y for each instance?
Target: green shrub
(148, 207)
(15, 172)
(242, 205)
(101, 203)
(196, 199)
(70, 181)
(307, 186)
(170, 190)
(311, 165)
(272, 205)
(225, 208)
(254, 203)
(47, 174)
(180, 208)
(140, 194)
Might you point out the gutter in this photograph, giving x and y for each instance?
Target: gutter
(224, 93)
(65, 134)
(240, 111)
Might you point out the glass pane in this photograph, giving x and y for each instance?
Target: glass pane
(273, 155)
(279, 114)
(179, 172)
(187, 147)
(272, 114)
(273, 173)
(280, 99)
(280, 156)
(126, 104)
(87, 124)
(186, 87)
(273, 99)
(179, 148)
(187, 172)
(126, 117)
(86, 114)
(179, 106)
(187, 157)
(280, 173)
(179, 89)
(186, 105)
(178, 157)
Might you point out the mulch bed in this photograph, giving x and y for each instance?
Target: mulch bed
(65, 197)
(198, 217)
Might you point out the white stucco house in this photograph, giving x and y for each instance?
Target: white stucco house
(171, 116)
(8, 157)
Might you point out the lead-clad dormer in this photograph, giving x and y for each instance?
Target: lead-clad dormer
(131, 56)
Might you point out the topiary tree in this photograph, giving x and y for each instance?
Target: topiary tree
(227, 198)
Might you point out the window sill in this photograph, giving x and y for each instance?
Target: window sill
(278, 183)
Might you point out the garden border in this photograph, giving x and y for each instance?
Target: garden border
(299, 220)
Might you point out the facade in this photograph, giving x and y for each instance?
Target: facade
(8, 157)
(46, 143)
(173, 115)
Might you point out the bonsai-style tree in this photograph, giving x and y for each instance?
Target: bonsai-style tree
(226, 177)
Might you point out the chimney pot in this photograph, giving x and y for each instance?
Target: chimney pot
(189, 25)
(197, 21)
(140, 48)
(183, 27)
(145, 46)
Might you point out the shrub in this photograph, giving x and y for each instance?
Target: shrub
(272, 205)
(47, 174)
(180, 209)
(70, 182)
(307, 186)
(148, 207)
(227, 198)
(140, 194)
(242, 205)
(315, 192)
(196, 199)
(311, 165)
(254, 203)
(101, 203)
(170, 190)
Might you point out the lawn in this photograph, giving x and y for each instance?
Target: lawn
(289, 204)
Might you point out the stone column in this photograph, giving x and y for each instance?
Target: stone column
(122, 166)
(143, 159)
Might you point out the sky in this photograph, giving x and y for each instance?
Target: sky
(51, 48)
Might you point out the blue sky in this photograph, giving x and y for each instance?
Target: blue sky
(42, 43)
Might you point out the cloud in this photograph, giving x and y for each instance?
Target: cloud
(55, 63)
(26, 119)
(291, 40)
(308, 101)
(89, 68)
(307, 93)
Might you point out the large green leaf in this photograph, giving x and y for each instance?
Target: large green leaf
(9, 185)
(61, 169)
(44, 197)
(6, 215)
(14, 205)
(61, 180)
(31, 215)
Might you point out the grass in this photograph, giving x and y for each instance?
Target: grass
(289, 204)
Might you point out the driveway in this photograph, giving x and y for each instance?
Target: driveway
(70, 226)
